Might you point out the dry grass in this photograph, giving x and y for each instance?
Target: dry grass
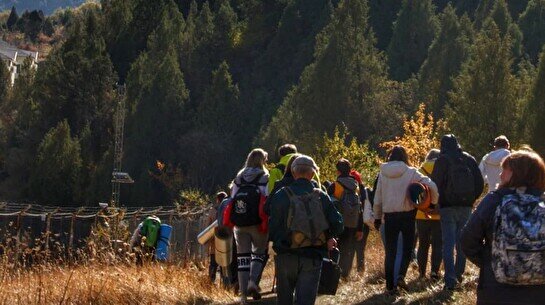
(97, 283)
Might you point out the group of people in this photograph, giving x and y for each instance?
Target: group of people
(305, 220)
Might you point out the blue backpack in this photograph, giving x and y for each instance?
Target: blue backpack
(518, 243)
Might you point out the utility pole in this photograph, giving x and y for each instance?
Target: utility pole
(118, 176)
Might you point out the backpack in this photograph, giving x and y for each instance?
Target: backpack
(150, 229)
(518, 242)
(460, 187)
(349, 205)
(246, 203)
(306, 221)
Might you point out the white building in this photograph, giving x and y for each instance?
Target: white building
(14, 58)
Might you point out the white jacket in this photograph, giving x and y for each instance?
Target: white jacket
(491, 167)
(391, 193)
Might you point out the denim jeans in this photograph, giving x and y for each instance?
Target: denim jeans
(453, 219)
(299, 274)
(399, 253)
(395, 223)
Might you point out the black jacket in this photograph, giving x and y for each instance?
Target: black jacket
(476, 242)
(451, 149)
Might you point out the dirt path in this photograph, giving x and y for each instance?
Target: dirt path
(368, 289)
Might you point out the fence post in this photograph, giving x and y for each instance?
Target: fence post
(71, 237)
(18, 241)
(47, 229)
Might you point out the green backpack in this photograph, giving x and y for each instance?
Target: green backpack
(150, 229)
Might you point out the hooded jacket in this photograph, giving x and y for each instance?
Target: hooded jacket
(351, 183)
(451, 149)
(249, 174)
(490, 167)
(276, 174)
(391, 191)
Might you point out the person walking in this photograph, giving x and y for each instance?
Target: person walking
(428, 228)
(213, 216)
(302, 225)
(490, 165)
(460, 183)
(285, 152)
(361, 244)
(399, 213)
(345, 192)
(248, 193)
(505, 236)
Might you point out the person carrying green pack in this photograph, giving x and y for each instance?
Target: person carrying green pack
(145, 237)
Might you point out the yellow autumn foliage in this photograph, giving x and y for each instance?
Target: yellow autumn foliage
(420, 134)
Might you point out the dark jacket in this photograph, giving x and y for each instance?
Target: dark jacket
(476, 241)
(278, 230)
(350, 182)
(450, 149)
(287, 180)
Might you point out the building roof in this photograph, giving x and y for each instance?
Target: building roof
(13, 52)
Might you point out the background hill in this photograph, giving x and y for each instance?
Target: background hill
(47, 6)
(208, 80)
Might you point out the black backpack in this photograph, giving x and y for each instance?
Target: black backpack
(460, 182)
(246, 203)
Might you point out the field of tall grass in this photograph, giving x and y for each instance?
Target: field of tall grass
(114, 278)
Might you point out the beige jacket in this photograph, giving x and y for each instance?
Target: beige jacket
(391, 193)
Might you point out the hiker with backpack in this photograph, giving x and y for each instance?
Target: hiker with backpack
(285, 152)
(213, 216)
(303, 223)
(345, 193)
(490, 165)
(245, 214)
(505, 236)
(460, 183)
(144, 239)
(428, 228)
(391, 200)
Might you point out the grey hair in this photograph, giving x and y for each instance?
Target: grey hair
(301, 170)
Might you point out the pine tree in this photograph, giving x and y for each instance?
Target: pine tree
(414, 31)
(468, 7)
(55, 176)
(501, 16)
(220, 103)
(76, 83)
(532, 25)
(535, 108)
(485, 85)
(289, 52)
(382, 14)
(157, 116)
(12, 19)
(333, 89)
(445, 57)
(517, 7)
(5, 83)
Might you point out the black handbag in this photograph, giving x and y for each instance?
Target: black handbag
(331, 274)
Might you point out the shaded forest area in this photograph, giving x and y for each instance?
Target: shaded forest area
(208, 80)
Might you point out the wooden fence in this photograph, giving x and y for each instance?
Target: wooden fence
(28, 224)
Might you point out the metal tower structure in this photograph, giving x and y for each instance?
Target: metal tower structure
(119, 177)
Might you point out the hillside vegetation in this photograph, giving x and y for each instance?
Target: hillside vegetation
(205, 81)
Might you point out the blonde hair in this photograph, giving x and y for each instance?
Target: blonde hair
(256, 158)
